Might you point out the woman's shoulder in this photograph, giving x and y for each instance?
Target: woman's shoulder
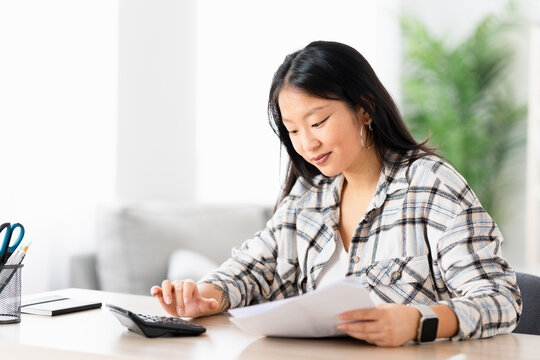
(429, 171)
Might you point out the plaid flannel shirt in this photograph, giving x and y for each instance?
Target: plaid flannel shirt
(424, 239)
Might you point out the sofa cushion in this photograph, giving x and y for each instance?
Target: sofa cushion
(135, 241)
(187, 264)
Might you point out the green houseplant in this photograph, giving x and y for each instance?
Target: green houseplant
(458, 95)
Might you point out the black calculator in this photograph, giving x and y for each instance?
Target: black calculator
(155, 326)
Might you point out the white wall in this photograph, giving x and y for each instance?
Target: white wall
(193, 87)
(58, 125)
(156, 101)
(241, 43)
(533, 154)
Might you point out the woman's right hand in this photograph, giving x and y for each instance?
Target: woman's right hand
(182, 298)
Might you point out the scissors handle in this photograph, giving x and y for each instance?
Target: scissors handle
(12, 248)
(7, 250)
(5, 243)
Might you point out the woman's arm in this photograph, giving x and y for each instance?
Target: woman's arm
(251, 275)
(448, 321)
(394, 324)
(486, 298)
(264, 268)
(247, 277)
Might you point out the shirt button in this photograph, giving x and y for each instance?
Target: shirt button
(356, 259)
(396, 275)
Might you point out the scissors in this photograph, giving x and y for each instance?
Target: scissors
(6, 250)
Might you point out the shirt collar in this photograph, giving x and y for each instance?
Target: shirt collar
(393, 178)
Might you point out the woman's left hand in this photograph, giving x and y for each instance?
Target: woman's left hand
(384, 325)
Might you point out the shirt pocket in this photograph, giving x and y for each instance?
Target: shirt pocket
(404, 280)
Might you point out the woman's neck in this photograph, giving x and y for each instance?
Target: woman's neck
(366, 175)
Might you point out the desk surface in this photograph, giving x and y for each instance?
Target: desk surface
(98, 334)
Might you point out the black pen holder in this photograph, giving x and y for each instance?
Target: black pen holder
(10, 294)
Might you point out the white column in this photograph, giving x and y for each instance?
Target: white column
(533, 153)
(156, 107)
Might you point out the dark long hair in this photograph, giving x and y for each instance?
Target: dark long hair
(336, 71)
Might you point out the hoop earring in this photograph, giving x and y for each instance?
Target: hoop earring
(362, 137)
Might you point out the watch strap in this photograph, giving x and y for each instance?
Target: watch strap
(426, 333)
(425, 310)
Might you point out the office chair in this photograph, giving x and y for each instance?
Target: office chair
(529, 323)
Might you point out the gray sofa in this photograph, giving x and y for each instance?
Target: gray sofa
(139, 245)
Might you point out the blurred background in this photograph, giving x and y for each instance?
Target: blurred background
(162, 101)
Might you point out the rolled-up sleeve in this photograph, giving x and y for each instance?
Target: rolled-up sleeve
(485, 295)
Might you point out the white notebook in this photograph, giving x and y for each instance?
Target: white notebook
(57, 305)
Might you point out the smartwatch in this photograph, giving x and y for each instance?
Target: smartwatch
(428, 324)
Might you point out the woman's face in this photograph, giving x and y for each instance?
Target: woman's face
(326, 133)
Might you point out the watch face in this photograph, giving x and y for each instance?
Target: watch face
(429, 329)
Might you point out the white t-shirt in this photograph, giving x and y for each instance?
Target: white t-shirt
(336, 267)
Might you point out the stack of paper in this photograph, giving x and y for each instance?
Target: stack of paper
(314, 314)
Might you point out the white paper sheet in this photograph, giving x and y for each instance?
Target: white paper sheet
(314, 314)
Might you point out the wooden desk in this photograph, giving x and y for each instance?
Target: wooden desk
(97, 334)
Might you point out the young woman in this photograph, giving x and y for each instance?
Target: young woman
(362, 198)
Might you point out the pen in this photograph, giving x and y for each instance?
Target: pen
(18, 256)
